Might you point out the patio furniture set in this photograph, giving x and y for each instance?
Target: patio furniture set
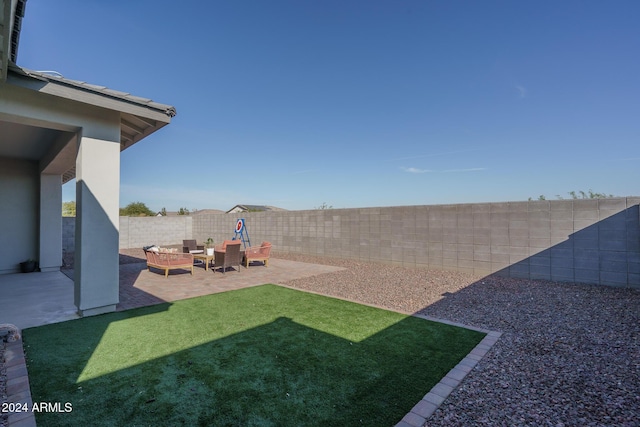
(227, 254)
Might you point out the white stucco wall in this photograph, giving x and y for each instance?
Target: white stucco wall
(63, 126)
(19, 202)
(97, 224)
(89, 139)
(50, 222)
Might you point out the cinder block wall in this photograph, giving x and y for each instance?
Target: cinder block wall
(593, 241)
(68, 234)
(136, 232)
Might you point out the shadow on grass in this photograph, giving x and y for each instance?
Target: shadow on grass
(192, 364)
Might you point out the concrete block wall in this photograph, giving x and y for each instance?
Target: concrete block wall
(592, 241)
(136, 232)
(68, 234)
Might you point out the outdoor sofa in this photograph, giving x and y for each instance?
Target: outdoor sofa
(165, 260)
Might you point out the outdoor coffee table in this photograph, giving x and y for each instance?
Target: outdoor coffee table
(204, 257)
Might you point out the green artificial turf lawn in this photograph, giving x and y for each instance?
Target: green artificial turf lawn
(260, 356)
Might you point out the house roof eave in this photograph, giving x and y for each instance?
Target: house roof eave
(11, 14)
(100, 96)
(139, 117)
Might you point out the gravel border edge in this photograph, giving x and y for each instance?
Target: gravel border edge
(18, 390)
(422, 410)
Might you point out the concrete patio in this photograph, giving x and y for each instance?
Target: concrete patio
(35, 299)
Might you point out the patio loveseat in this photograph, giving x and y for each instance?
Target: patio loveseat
(168, 261)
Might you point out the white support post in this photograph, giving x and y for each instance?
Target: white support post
(50, 251)
(97, 216)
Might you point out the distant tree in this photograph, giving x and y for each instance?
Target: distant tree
(163, 211)
(183, 211)
(69, 208)
(324, 206)
(136, 209)
(589, 195)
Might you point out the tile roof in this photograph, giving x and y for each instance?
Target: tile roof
(139, 117)
(255, 208)
(54, 77)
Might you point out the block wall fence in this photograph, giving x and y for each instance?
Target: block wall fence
(591, 241)
(136, 232)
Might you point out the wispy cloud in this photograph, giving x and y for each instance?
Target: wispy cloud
(522, 91)
(465, 170)
(415, 170)
(445, 153)
(418, 170)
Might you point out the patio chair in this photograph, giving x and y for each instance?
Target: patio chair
(190, 247)
(221, 247)
(228, 257)
(258, 253)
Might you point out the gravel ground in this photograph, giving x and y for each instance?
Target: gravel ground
(569, 354)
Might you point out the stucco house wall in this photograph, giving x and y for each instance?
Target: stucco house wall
(19, 193)
(54, 129)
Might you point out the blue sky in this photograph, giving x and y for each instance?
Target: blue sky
(296, 103)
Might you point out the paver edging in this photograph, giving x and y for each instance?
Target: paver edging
(422, 410)
(18, 390)
(429, 403)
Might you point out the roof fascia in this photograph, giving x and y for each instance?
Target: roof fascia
(98, 99)
(5, 37)
(11, 12)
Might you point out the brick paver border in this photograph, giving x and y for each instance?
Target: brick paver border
(18, 390)
(422, 410)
